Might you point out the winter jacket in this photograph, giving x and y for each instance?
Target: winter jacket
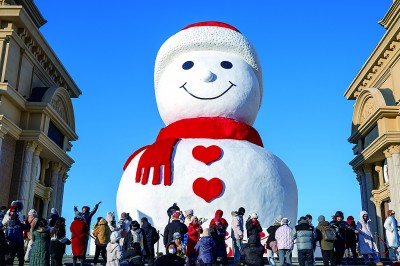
(57, 248)
(114, 250)
(171, 228)
(170, 260)
(253, 252)
(253, 227)
(341, 229)
(32, 220)
(102, 233)
(271, 235)
(194, 231)
(237, 225)
(40, 255)
(135, 236)
(325, 244)
(351, 237)
(283, 236)
(392, 233)
(205, 249)
(19, 227)
(79, 237)
(366, 241)
(303, 233)
(152, 236)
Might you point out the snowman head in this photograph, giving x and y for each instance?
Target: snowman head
(208, 69)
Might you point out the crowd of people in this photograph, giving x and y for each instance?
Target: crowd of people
(187, 239)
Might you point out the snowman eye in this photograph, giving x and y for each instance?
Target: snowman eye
(226, 64)
(187, 65)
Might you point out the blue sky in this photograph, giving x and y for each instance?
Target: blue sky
(310, 52)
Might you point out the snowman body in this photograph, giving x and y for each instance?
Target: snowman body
(252, 178)
(211, 71)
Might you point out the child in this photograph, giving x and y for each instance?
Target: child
(114, 250)
(205, 248)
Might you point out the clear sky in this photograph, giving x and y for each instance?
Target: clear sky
(310, 52)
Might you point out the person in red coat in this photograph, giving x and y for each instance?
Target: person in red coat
(79, 239)
(194, 231)
(218, 217)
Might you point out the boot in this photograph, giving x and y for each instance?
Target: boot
(379, 263)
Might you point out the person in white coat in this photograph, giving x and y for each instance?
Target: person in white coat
(392, 236)
(366, 242)
(114, 250)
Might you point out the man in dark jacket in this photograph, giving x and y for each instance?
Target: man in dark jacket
(151, 236)
(341, 228)
(3, 247)
(174, 226)
(303, 233)
(86, 213)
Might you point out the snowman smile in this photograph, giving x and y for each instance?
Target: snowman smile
(207, 98)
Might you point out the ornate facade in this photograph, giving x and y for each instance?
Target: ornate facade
(37, 123)
(376, 124)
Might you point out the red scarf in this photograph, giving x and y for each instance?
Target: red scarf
(159, 153)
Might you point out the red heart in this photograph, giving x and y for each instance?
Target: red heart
(207, 155)
(208, 189)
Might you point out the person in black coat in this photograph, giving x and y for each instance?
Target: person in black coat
(174, 226)
(341, 228)
(253, 252)
(152, 237)
(171, 210)
(253, 226)
(218, 233)
(135, 235)
(3, 247)
(170, 259)
(351, 240)
(58, 242)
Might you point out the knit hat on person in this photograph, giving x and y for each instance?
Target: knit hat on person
(33, 213)
(207, 36)
(285, 221)
(278, 220)
(124, 215)
(206, 232)
(176, 235)
(13, 208)
(241, 211)
(134, 224)
(53, 211)
(188, 212)
(339, 214)
(253, 215)
(193, 218)
(321, 218)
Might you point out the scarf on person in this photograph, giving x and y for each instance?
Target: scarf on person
(158, 155)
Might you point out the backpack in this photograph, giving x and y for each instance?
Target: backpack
(328, 233)
(14, 234)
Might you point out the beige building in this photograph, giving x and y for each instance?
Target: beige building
(37, 122)
(376, 124)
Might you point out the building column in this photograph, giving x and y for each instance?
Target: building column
(361, 181)
(370, 206)
(35, 167)
(59, 189)
(26, 174)
(378, 204)
(61, 195)
(392, 155)
(46, 200)
(1, 144)
(55, 172)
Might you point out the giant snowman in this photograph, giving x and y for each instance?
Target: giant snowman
(208, 87)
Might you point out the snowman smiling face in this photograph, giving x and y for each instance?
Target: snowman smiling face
(208, 84)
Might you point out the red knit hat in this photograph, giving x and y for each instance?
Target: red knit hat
(13, 209)
(207, 36)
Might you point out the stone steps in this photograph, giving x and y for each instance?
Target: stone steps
(67, 261)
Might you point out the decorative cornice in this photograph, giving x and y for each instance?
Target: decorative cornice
(391, 15)
(56, 166)
(381, 194)
(38, 150)
(392, 149)
(33, 12)
(383, 54)
(359, 174)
